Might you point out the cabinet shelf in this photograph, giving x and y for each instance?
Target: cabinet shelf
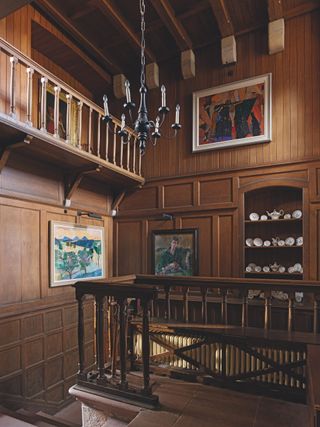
(272, 273)
(248, 221)
(274, 247)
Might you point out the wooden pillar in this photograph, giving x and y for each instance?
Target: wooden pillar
(68, 118)
(81, 373)
(100, 336)
(99, 135)
(186, 304)
(168, 303)
(204, 310)
(57, 90)
(123, 342)
(244, 312)
(267, 309)
(145, 347)
(315, 314)
(290, 311)
(79, 133)
(224, 307)
(13, 63)
(30, 72)
(43, 106)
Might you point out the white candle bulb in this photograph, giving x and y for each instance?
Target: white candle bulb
(128, 94)
(123, 121)
(163, 96)
(105, 105)
(156, 129)
(177, 114)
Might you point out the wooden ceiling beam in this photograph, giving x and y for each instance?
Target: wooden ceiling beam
(167, 15)
(222, 16)
(275, 10)
(67, 25)
(80, 13)
(108, 8)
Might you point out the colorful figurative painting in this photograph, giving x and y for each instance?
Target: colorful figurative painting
(174, 252)
(77, 253)
(232, 115)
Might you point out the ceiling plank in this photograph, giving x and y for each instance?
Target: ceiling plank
(275, 9)
(108, 8)
(167, 15)
(7, 7)
(222, 16)
(68, 25)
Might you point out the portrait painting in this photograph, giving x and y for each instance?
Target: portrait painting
(232, 115)
(76, 253)
(175, 252)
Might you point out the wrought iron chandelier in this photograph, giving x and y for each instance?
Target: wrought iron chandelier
(145, 128)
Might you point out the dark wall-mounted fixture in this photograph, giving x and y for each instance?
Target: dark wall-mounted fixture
(89, 214)
(167, 216)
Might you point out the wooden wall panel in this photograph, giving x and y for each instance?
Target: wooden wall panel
(129, 247)
(146, 198)
(225, 245)
(295, 102)
(214, 191)
(178, 195)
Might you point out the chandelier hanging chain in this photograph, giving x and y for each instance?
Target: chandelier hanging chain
(143, 43)
(142, 125)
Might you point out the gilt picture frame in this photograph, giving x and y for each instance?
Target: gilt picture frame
(175, 252)
(233, 114)
(77, 252)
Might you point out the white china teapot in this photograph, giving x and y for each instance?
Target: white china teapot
(275, 266)
(275, 214)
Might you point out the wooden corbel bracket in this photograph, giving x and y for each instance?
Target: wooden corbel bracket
(6, 151)
(117, 200)
(73, 181)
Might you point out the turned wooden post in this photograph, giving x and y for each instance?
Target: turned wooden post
(204, 307)
(134, 156)
(186, 304)
(68, 118)
(30, 72)
(224, 307)
(56, 113)
(267, 309)
(123, 342)
(79, 130)
(145, 347)
(244, 311)
(168, 303)
(100, 335)
(290, 311)
(114, 143)
(13, 63)
(43, 106)
(80, 299)
(315, 314)
(98, 135)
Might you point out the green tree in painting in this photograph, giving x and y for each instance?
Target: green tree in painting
(85, 257)
(97, 248)
(67, 262)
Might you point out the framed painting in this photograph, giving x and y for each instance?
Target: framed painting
(62, 115)
(233, 114)
(77, 252)
(175, 252)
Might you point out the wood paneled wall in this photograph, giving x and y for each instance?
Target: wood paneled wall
(38, 324)
(213, 203)
(295, 102)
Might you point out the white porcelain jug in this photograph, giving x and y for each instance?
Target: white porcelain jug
(275, 214)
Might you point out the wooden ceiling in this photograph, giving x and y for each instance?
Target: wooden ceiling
(108, 31)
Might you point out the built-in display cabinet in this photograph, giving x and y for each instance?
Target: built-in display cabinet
(273, 233)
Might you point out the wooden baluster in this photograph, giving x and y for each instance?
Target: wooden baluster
(81, 373)
(114, 143)
(100, 336)
(290, 311)
(168, 303)
(123, 342)
(68, 118)
(30, 72)
(140, 161)
(56, 113)
(121, 152)
(98, 135)
(224, 307)
(13, 63)
(134, 155)
(186, 304)
(315, 314)
(204, 307)
(107, 142)
(145, 347)
(244, 313)
(128, 155)
(43, 106)
(90, 131)
(267, 309)
(79, 133)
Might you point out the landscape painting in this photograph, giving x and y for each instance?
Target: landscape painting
(76, 253)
